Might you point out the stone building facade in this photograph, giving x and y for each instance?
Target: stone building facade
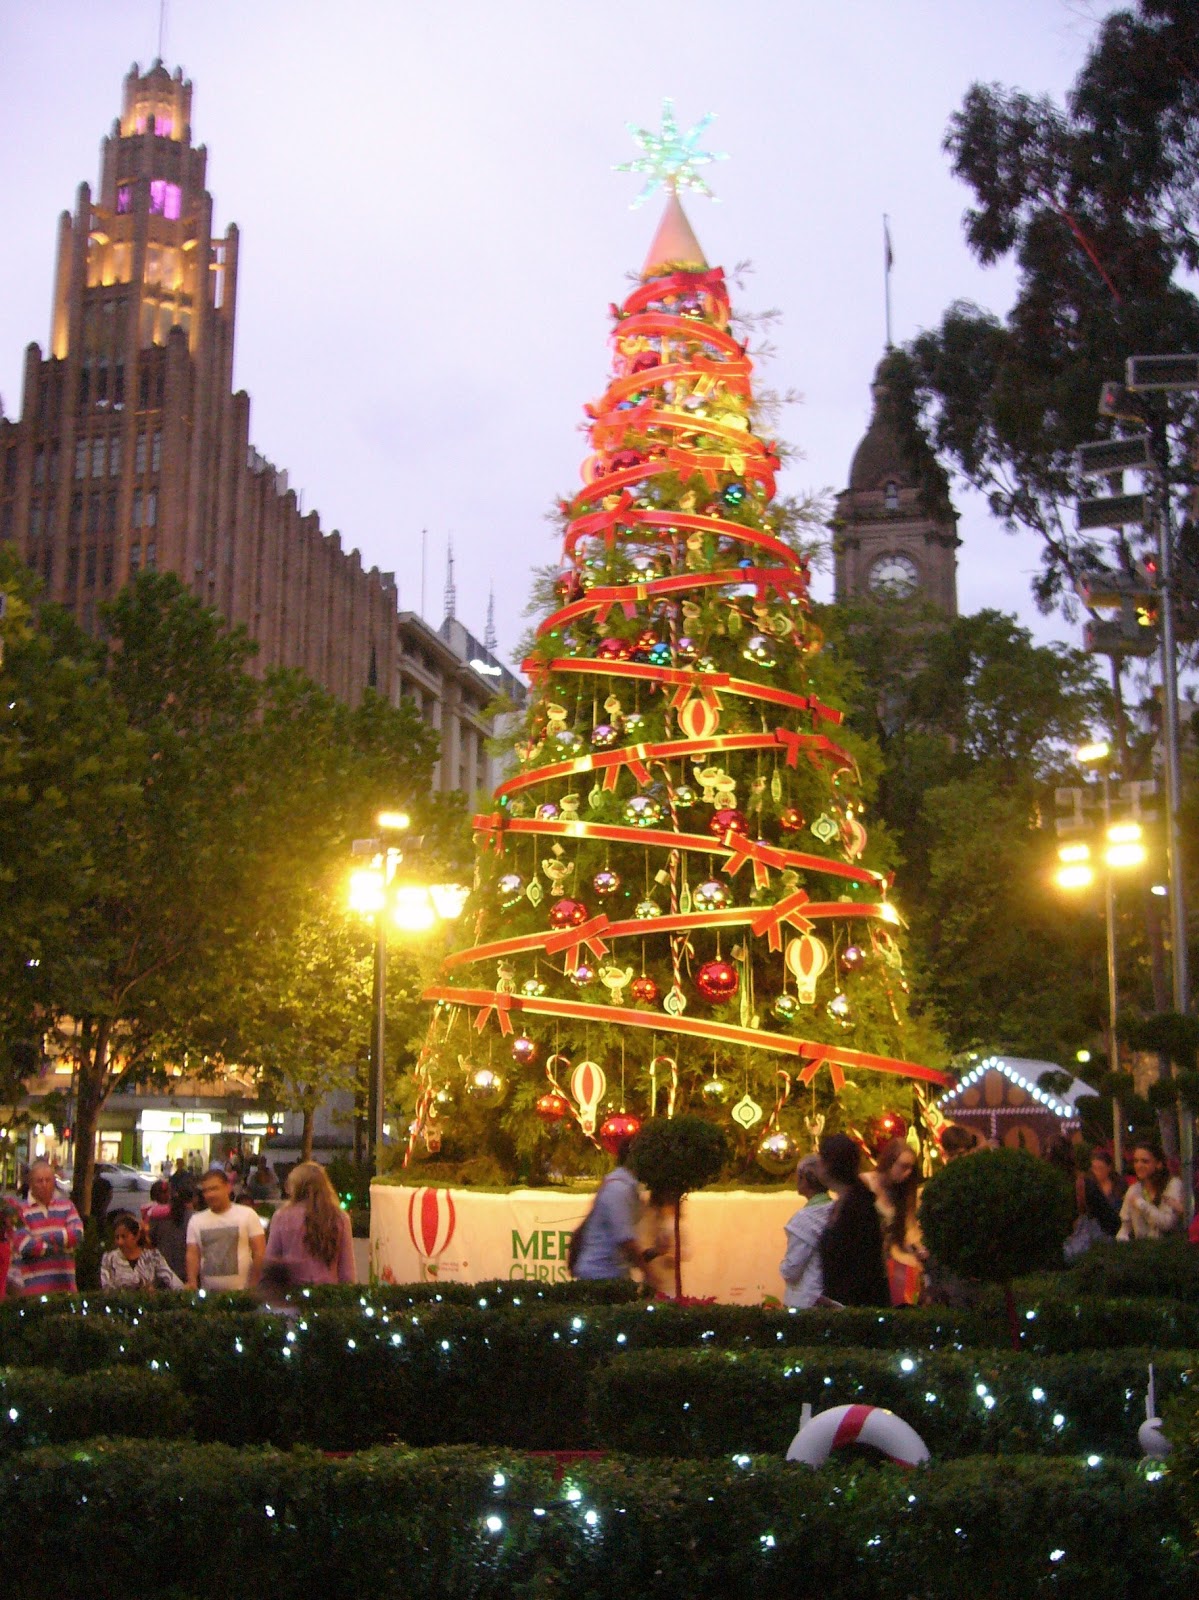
(895, 529)
(133, 451)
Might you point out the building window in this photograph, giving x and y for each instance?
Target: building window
(107, 567)
(10, 467)
(99, 455)
(139, 454)
(151, 556)
(81, 458)
(114, 455)
(156, 452)
(136, 518)
(143, 388)
(891, 496)
(76, 512)
(39, 464)
(101, 381)
(165, 199)
(124, 199)
(89, 567)
(163, 126)
(6, 520)
(53, 463)
(48, 564)
(35, 520)
(85, 384)
(151, 512)
(72, 566)
(110, 513)
(135, 558)
(93, 513)
(118, 384)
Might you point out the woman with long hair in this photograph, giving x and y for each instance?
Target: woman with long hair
(1152, 1205)
(310, 1235)
(851, 1246)
(894, 1184)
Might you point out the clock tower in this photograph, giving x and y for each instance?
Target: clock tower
(895, 529)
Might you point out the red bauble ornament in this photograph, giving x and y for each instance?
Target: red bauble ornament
(568, 914)
(552, 1107)
(645, 990)
(620, 460)
(614, 650)
(886, 1126)
(792, 820)
(717, 981)
(728, 820)
(619, 1126)
(647, 360)
(524, 1050)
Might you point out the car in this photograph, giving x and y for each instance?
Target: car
(130, 1188)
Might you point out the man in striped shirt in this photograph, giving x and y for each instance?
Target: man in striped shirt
(43, 1247)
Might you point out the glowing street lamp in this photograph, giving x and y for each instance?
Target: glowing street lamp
(1123, 847)
(413, 908)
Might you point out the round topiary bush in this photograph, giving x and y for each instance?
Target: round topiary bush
(672, 1156)
(997, 1215)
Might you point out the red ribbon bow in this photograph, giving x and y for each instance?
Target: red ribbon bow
(573, 940)
(771, 918)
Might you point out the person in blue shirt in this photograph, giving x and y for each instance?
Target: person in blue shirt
(801, 1268)
(608, 1245)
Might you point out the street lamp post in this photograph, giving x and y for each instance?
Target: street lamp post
(414, 908)
(1122, 847)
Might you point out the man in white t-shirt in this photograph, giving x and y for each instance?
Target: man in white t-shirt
(225, 1243)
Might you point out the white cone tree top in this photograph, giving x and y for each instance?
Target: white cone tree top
(675, 244)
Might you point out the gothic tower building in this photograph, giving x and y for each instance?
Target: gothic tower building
(133, 451)
(895, 529)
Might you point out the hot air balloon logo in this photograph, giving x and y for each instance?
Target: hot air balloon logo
(430, 1227)
(806, 958)
(587, 1084)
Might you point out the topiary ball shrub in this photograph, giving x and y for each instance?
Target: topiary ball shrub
(672, 1156)
(997, 1215)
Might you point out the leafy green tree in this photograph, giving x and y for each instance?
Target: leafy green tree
(1096, 202)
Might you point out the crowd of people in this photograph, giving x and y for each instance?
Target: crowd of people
(856, 1239)
(192, 1235)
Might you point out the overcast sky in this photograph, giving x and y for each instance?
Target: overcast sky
(432, 230)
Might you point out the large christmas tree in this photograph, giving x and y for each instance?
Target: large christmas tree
(674, 902)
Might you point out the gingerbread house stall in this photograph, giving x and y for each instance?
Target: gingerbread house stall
(1001, 1100)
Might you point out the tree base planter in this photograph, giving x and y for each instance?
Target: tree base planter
(732, 1241)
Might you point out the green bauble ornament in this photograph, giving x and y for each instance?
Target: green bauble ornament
(785, 1008)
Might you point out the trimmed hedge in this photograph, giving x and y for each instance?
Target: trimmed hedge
(469, 1523)
(1181, 1426)
(347, 1379)
(39, 1407)
(1153, 1267)
(711, 1403)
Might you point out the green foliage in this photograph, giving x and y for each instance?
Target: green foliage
(996, 1215)
(1096, 204)
(673, 1155)
(1139, 1267)
(46, 1407)
(418, 1524)
(710, 1403)
(1180, 1421)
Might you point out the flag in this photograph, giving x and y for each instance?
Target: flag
(888, 253)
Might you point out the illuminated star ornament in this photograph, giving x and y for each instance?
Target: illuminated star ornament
(670, 159)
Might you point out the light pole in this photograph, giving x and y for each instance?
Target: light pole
(414, 908)
(1123, 847)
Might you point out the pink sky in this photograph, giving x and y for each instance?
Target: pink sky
(432, 230)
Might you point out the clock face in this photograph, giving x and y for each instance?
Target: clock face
(894, 575)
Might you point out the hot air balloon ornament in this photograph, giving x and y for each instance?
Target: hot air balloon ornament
(431, 1221)
(806, 959)
(588, 1086)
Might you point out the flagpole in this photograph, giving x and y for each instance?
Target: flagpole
(887, 259)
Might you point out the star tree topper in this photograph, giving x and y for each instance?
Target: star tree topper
(670, 158)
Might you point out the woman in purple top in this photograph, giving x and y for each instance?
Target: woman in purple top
(310, 1236)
